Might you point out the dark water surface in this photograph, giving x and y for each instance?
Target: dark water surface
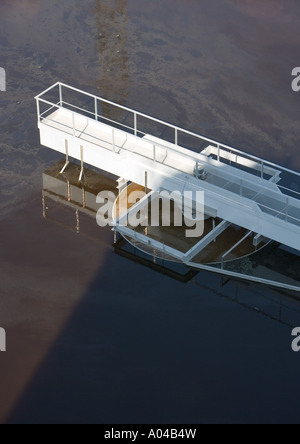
(93, 337)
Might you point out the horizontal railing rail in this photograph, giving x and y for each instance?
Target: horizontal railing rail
(289, 190)
(285, 214)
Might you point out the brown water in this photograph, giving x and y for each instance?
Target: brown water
(92, 337)
(218, 67)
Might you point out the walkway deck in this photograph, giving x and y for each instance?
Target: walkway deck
(240, 189)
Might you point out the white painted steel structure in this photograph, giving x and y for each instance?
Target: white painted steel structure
(239, 189)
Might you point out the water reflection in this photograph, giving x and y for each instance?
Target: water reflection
(80, 197)
(72, 205)
(68, 201)
(112, 26)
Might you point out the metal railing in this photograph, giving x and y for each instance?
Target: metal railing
(177, 130)
(95, 114)
(115, 146)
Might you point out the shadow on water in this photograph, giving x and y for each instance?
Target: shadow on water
(143, 348)
(152, 354)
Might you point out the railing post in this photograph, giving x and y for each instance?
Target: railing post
(287, 209)
(154, 153)
(38, 110)
(218, 146)
(96, 108)
(135, 124)
(176, 136)
(60, 96)
(262, 170)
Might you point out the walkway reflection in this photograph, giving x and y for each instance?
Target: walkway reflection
(68, 203)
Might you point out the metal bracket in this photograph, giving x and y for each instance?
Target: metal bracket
(81, 171)
(67, 157)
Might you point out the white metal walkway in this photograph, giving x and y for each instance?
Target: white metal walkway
(239, 189)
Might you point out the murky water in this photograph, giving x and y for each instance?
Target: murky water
(141, 347)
